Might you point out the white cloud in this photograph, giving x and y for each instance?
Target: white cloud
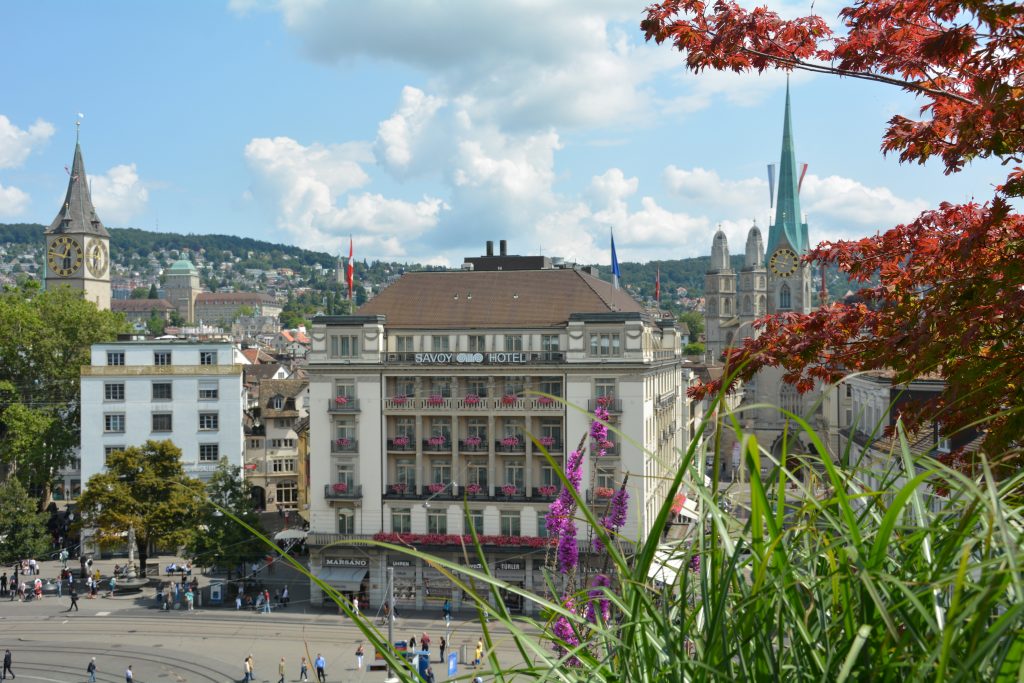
(399, 134)
(843, 200)
(16, 144)
(119, 194)
(12, 201)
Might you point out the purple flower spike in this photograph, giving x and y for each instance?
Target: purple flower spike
(568, 552)
(597, 593)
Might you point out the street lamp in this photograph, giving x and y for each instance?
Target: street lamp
(452, 484)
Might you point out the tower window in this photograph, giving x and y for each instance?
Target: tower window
(785, 298)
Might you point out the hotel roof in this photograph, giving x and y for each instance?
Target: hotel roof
(496, 299)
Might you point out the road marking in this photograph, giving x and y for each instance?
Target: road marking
(103, 614)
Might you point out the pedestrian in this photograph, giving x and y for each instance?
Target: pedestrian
(74, 598)
(238, 601)
(425, 642)
(304, 671)
(7, 665)
(246, 670)
(386, 614)
(128, 675)
(33, 566)
(320, 664)
(81, 562)
(92, 670)
(441, 646)
(189, 597)
(3, 585)
(113, 585)
(359, 657)
(355, 605)
(174, 586)
(412, 643)
(284, 597)
(280, 671)
(266, 601)
(479, 654)
(429, 678)
(447, 611)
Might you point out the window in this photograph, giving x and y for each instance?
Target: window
(789, 399)
(475, 520)
(514, 474)
(441, 426)
(277, 402)
(406, 426)
(401, 521)
(115, 357)
(209, 422)
(346, 522)
(282, 443)
(346, 474)
(113, 391)
(209, 452)
(605, 478)
(514, 385)
(405, 386)
(162, 391)
(476, 473)
(344, 346)
(785, 297)
(477, 426)
(441, 387)
(551, 429)
(287, 493)
(551, 385)
(282, 465)
(513, 428)
(405, 473)
(513, 342)
(548, 477)
(437, 522)
(477, 385)
(207, 357)
(606, 344)
(542, 525)
(604, 386)
(113, 423)
(162, 422)
(510, 523)
(255, 443)
(477, 342)
(549, 342)
(346, 390)
(440, 471)
(108, 451)
(403, 344)
(208, 391)
(161, 358)
(345, 429)
(439, 342)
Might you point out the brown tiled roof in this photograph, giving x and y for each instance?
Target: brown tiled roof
(140, 305)
(505, 298)
(260, 372)
(287, 388)
(257, 356)
(234, 298)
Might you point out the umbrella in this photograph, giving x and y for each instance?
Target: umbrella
(290, 535)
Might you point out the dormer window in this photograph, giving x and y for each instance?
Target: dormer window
(277, 402)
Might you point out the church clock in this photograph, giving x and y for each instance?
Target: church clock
(64, 256)
(784, 262)
(96, 257)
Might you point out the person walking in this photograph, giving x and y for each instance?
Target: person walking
(355, 605)
(92, 670)
(3, 585)
(412, 643)
(284, 597)
(7, 665)
(441, 646)
(446, 610)
(189, 598)
(280, 671)
(430, 675)
(304, 671)
(129, 677)
(479, 654)
(246, 671)
(320, 665)
(73, 594)
(359, 657)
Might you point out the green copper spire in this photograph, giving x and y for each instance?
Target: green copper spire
(788, 226)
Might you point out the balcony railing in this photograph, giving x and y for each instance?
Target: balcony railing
(610, 451)
(399, 403)
(344, 446)
(476, 491)
(545, 493)
(666, 399)
(436, 403)
(348, 492)
(507, 445)
(599, 495)
(402, 444)
(444, 491)
(553, 446)
(544, 403)
(473, 447)
(510, 402)
(434, 445)
(401, 491)
(510, 492)
(351, 405)
(473, 403)
(612, 405)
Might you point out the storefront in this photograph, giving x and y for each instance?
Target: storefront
(405, 580)
(348, 575)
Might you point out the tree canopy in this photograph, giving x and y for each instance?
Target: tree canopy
(22, 529)
(950, 291)
(220, 539)
(145, 488)
(45, 338)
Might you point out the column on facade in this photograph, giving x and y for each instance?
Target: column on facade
(532, 427)
(420, 436)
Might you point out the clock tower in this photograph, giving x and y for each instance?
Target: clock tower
(77, 244)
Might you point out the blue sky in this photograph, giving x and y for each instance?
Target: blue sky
(423, 129)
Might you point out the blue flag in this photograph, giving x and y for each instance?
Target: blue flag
(615, 263)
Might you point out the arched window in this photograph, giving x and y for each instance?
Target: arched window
(726, 306)
(789, 399)
(760, 305)
(712, 306)
(748, 307)
(785, 298)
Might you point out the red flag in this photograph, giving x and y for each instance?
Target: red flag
(657, 286)
(803, 170)
(351, 269)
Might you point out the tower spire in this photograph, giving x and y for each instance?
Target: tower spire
(789, 226)
(77, 214)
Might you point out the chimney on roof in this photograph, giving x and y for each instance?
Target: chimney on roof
(490, 247)
(503, 246)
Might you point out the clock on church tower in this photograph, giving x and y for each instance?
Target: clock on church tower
(77, 244)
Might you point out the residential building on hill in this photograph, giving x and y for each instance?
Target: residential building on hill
(437, 389)
(272, 454)
(141, 310)
(223, 307)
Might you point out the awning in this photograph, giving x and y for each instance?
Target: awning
(687, 507)
(290, 535)
(348, 579)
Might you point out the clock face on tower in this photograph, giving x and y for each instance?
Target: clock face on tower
(64, 256)
(784, 262)
(96, 257)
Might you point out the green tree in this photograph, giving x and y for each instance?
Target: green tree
(22, 529)
(695, 321)
(220, 539)
(45, 338)
(145, 488)
(153, 294)
(139, 293)
(156, 324)
(176, 319)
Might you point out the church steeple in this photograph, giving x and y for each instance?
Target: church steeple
(77, 215)
(788, 224)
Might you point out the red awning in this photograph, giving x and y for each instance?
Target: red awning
(678, 502)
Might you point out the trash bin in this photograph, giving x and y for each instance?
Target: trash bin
(463, 654)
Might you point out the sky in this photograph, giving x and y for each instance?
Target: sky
(422, 129)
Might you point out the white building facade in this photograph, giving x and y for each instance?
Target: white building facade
(429, 397)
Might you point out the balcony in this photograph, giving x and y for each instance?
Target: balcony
(511, 402)
(544, 403)
(402, 443)
(441, 491)
(510, 492)
(437, 445)
(342, 491)
(473, 445)
(399, 403)
(472, 402)
(343, 404)
(600, 495)
(552, 445)
(665, 400)
(611, 450)
(401, 492)
(612, 405)
(545, 493)
(345, 445)
(437, 402)
(487, 357)
(510, 444)
(476, 491)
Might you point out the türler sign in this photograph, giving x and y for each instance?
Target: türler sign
(503, 357)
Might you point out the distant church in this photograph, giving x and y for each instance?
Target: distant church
(771, 280)
(77, 244)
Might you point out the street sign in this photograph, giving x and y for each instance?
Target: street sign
(453, 663)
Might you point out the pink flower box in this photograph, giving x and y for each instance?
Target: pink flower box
(545, 401)
(437, 441)
(547, 441)
(340, 487)
(547, 491)
(510, 442)
(509, 490)
(436, 488)
(473, 489)
(605, 401)
(604, 492)
(473, 441)
(397, 488)
(509, 399)
(399, 400)
(471, 399)
(401, 441)
(343, 442)
(341, 400)
(435, 400)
